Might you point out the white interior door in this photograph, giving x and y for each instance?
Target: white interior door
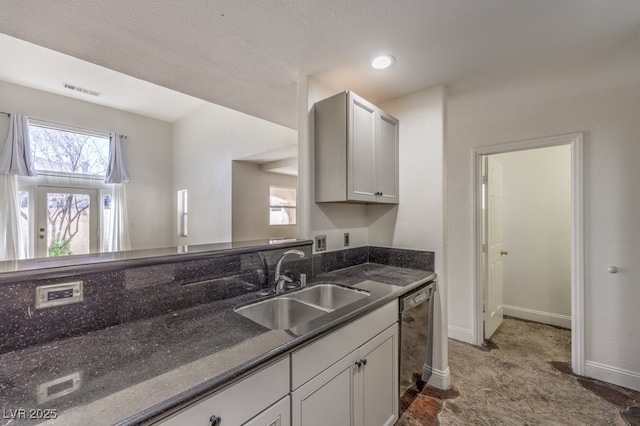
(493, 309)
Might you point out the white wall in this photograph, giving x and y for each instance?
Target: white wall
(537, 234)
(417, 222)
(250, 203)
(205, 143)
(597, 94)
(148, 150)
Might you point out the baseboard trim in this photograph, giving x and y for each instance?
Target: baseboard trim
(538, 316)
(461, 334)
(440, 379)
(609, 374)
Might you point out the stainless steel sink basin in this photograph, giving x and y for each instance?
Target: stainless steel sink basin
(302, 306)
(329, 296)
(280, 313)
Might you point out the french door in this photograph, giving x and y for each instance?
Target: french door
(67, 221)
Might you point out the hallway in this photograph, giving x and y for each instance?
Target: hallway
(521, 378)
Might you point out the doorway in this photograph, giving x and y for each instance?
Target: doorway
(67, 221)
(491, 251)
(527, 236)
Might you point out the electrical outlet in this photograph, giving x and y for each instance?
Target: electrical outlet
(346, 239)
(58, 387)
(48, 296)
(321, 242)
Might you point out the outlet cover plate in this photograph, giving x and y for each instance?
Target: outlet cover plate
(48, 296)
(321, 242)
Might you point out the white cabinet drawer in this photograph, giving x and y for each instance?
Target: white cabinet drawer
(319, 355)
(240, 401)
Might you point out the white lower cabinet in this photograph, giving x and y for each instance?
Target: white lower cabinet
(279, 414)
(378, 379)
(349, 377)
(244, 402)
(360, 389)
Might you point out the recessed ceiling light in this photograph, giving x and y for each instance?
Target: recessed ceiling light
(382, 62)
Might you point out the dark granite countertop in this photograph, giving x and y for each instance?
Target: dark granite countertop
(134, 372)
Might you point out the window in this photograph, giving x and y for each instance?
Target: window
(282, 205)
(66, 210)
(66, 152)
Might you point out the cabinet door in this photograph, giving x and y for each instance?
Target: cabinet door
(362, 122)
(279, 414)
(327, 399)
(387, 159)
(378, 379)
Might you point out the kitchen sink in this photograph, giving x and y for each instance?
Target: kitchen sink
(280, 313)
(329, 296)
(299, 307)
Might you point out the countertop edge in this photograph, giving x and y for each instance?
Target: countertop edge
(64, 267)
(207, 388)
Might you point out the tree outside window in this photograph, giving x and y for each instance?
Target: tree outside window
(62, 152)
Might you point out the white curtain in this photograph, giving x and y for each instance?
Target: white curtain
(11, 242)
(119, 226)
(15, 160)
(118, 170)
(118, 175)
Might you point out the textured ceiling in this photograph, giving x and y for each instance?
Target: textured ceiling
(248, 55)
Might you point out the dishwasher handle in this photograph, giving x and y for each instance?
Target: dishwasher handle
(417, 298)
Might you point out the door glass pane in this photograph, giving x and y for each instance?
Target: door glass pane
(68, 224)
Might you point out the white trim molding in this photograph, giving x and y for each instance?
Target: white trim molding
(538, 316)
(440, 379)
(575, 140)
(617, 376)
(461, 334)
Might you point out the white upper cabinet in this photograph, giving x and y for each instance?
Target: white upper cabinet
(356, 151)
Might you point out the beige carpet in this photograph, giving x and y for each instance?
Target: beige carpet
(512, 382)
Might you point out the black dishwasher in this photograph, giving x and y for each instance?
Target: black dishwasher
(416, 342)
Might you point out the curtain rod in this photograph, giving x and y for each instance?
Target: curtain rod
(65, 125)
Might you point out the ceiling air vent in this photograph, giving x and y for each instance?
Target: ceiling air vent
(81, 89)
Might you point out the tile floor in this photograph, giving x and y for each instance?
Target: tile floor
(521, 377)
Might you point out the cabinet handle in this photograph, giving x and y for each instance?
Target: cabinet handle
(215, 421)
(359, 364)
(364, 361)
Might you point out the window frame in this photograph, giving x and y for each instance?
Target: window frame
(293, 207)
(69, 129)
(70, 181)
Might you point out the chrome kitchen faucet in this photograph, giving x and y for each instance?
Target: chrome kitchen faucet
(281, 279)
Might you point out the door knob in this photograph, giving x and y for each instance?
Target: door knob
(503, 252)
